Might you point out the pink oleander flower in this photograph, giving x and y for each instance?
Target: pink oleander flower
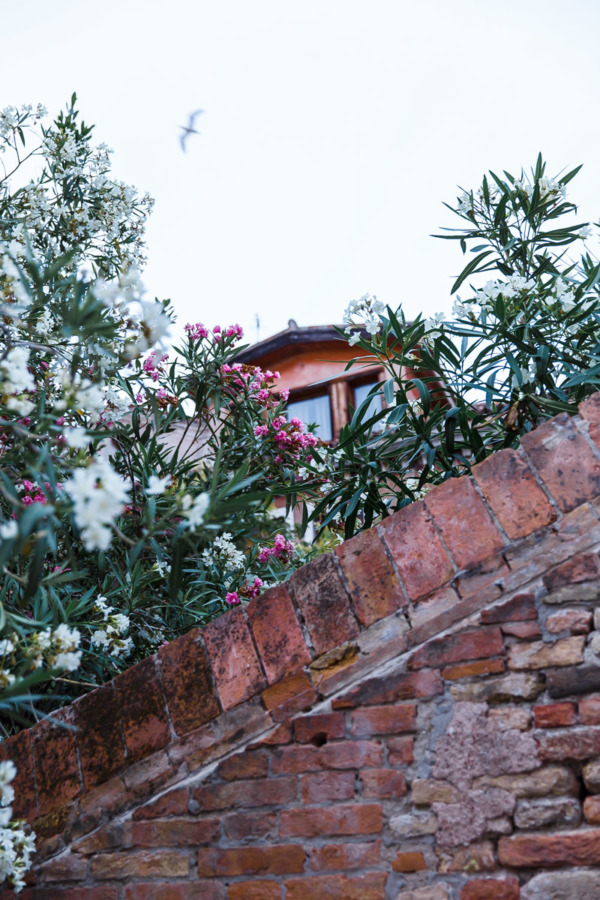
(263, 395)
(278, 422)
(161, 394)
(28, 485)
(298, 423)
(196, 332)
(226, 369)
(261, 430)
(139, 398)
(285, 393)
(234, 331)
(60, 420)
(232, 598)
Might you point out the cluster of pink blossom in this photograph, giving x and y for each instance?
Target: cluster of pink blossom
(257, 383)
(196, 332)
(282, 548)
(252, 590)
(288, 436)
(33, 492)
(232, 598)
(153, 365)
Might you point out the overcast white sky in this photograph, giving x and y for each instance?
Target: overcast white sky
(333, 130)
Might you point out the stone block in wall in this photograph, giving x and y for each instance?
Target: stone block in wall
(572, 885)
(561, 812)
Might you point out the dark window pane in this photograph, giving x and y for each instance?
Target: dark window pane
(313, 409)
(361, 392)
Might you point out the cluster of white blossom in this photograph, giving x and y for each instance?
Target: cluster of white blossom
(547, 187)
(109, 639)
(364, 313)
(224, 554)
(16, 379)
(194, 508)
(16, 847)
(99, 495)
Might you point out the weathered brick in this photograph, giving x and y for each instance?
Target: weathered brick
(187, 682)
(466, 525)
(576, 621)
(18, 750)
(425, 791)
(145, 864)
(324, 604)
(578, 570)
(55, 757)
(255, 890)
(591, 776)
(477, 857)
(510, 488)
(142, 710)
(558, 811)
(277, 633)
(101, 892)
(475, 668)
(65, 868)
(524, 631)
(172, 890)
(370, 577)
(538, 655)
(391, 688)
(246, 794)
(233, 659)
(278, 859)
(251, 764)
(549, 781)
(171, 833)
(345, 857)
(291, 695)
(431, 892)
(106, 838)
(417, 550)
(409, 861)
(591, 810)
(383, 720)
(338, 755)
(554, 715)
(173, 803)
(574, 680)
(357, 818)
(480, 643)
(241, 826)
(438, 611)
(324, 787)
(98, 736)
(506, 888)
(401, 751)
(501, 718)
(337, 887)
(311, 729)
(520, 608)
(580, 848)
(501, 688)
(564, 460)
(589, 411)
(385, 784)
(589, 710)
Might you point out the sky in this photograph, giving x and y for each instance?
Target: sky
(332, 132)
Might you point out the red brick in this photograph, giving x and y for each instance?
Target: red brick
(246, 794)
(345, 857)
(102, 892)
(18, 749)
(480, 643)
(255, 890)
(338, 755)
(589, 411)
(250, 764)
(579, 848)
(233, 659)
(357, 818)
(284, 859)
(470, 669)
(383, 720)
(579, 743)
(291, 695)
(564, 460)
(171, 833)
(142, 710)
(524, 631)
(491, 889)
(98, 736)
(370, 577)
(337, 887)
(554, 715)
(322, 598)
(277, 633)
(172, 890)
(106, 838)
(510, 488)
(187, 682)
(173, 803)
(324, 787)
(520, 608)
(281, 735)
(575, 621)
(409, 861)
(55, 757)
(391, 688)
(401, 751)
(466, 526)
(577, 570)
(383, 784)
(417, 550)
(147, 864)
(589, 710)
(241, 826)
(65, 868)
(591, 810)
(309, 729)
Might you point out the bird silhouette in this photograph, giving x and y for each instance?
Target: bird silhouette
(189, 128)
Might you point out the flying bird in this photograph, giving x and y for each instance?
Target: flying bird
(189, 128)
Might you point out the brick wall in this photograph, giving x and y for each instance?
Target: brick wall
(415, 717)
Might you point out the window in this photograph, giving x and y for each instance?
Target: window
(313, 410)
(361, 392)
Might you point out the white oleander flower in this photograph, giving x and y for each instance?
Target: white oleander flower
(158, 485)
